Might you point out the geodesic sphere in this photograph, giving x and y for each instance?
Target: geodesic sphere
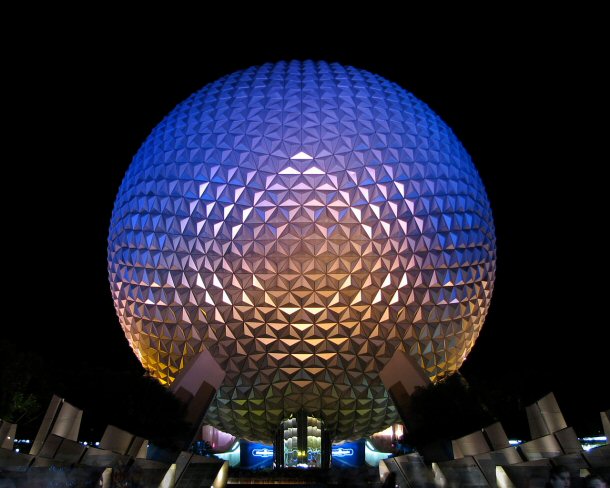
(301, 221)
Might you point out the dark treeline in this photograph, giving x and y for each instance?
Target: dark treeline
(126, 398)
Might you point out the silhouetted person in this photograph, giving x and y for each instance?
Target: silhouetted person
(595, 481)
(559, 477)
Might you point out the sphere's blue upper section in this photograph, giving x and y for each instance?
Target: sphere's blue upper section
(303, 222)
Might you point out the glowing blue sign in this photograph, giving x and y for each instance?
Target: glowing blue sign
(255, 456)
(342, 452)
(348, 454)
(262, 452)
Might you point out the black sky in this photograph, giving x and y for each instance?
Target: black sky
(524, 100)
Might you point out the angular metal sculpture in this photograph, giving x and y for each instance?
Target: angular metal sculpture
(7, 434)
(61, 420)
(301, 222)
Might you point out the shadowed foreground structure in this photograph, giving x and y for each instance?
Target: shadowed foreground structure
(483, 458)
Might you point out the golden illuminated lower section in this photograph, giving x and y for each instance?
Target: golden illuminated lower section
(308, 323)
(277, 363)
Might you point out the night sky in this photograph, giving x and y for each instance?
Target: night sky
(525, 105)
